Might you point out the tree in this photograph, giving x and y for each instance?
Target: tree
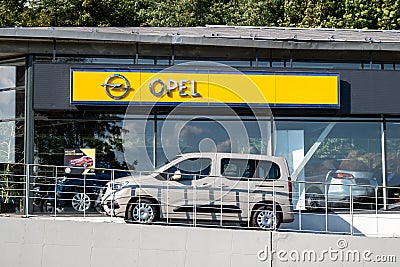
(389, 17)
(257, 13)
(11, 11)
(359, 14)
(70, 12)
(373, 14)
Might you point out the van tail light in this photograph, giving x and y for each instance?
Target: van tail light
(290, 189)
(343, 175)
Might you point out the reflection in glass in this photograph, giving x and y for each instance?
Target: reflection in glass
(7, 105)
(137, 142)
(393, 161)
(53, 136)
(7, 93)
(229, 135)
(329, 65)
(388, 66)
(7, 141)
(7, 77)
(335, 155)
(237, 63)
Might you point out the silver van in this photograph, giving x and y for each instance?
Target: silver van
(253, 190)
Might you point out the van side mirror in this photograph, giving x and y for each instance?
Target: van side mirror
(177, 175)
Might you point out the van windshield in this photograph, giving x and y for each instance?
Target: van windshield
(191, 169)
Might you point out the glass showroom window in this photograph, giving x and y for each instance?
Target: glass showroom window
(53, 136)
(393, 161)
(138, 142)
(186, 134)
(11, 120)
(324, 154)
(11, 136)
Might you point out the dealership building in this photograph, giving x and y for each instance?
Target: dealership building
(137, 97)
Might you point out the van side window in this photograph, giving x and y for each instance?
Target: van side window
(249, 168)
(237, 167)
(268, 170)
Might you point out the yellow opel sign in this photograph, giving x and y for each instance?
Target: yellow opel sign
(203, 88)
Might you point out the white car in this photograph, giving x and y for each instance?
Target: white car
(340, 181)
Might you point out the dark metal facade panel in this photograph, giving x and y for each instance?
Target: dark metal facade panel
(373, 92)
(52, 87)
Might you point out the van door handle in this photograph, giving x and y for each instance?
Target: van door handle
(223, 186)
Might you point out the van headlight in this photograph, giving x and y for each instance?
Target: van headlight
(118, 185)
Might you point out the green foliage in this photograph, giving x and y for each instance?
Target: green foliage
(361, 14)
(334, 148)
(389, 15)
(10, 12)
(257, 13)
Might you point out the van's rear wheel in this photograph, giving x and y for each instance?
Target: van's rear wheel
(143, 211)
(264, 218)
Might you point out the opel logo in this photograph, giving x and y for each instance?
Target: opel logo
(116, 90)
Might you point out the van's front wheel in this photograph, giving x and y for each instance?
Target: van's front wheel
(264, 218)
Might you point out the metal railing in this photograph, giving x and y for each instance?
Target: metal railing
(355, 209)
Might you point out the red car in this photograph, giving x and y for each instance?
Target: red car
(84, 161)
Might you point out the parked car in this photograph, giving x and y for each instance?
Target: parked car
(84, 161)
(244, 188)
(341, 179)
(79, 191)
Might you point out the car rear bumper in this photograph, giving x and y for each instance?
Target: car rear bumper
(343, 192)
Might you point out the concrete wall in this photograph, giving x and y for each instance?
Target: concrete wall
(47, 243)
(360, 224)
